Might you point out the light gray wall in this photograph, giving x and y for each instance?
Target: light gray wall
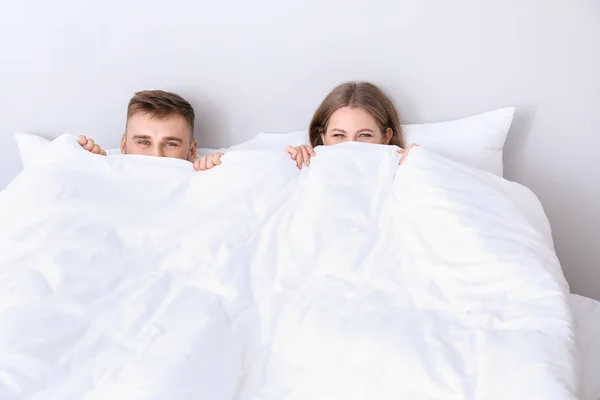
(264, 65)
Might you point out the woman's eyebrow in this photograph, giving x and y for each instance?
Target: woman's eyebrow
(365, 130)
(338, 130)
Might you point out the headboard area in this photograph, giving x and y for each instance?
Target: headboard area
(264, 65)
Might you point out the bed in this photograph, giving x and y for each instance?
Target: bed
(587, 318)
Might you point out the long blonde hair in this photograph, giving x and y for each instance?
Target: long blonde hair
(363, 95)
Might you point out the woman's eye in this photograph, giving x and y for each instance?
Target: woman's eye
(365, 135)
(338, 135)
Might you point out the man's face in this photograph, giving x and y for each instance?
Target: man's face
(166, 137)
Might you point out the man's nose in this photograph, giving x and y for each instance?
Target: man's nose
(158, 152)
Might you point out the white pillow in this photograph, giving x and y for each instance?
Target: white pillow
(477, 141)
(273, 141)
(30, 147)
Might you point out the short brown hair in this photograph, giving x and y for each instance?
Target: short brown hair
(160, 104)
(357, 94)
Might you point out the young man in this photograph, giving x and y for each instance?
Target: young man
(159, 124)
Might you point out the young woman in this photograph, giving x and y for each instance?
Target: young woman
(353, 111)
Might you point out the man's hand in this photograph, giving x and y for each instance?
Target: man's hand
(89, 145)
(207, 162)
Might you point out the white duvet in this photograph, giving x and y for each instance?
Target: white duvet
(131, 277)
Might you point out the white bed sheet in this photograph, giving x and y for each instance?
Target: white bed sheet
(586, 313)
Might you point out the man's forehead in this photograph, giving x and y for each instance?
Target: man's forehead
(170, 128)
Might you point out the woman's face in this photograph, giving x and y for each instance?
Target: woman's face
(354, 125)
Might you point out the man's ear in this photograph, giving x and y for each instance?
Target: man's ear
(193, 150)
(389, 133)
(124, 144)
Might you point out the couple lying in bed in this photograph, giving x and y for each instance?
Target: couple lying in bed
(161, 124)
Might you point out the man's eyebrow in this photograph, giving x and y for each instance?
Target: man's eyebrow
(141, 137)
(173, 138)
(338, 130)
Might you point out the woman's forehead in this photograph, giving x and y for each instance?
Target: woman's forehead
(351, 118)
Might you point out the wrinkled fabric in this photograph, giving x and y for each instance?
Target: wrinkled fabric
(586, 314)
(132, 277)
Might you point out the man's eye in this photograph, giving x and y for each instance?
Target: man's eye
(144, 142)
(171, 144)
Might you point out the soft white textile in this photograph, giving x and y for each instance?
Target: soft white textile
(139, 278)
(586, 314)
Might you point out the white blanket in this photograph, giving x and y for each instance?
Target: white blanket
(131, 277)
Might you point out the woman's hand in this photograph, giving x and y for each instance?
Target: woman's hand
(89, 145)
(207, 162)
(301, 154)
(404, 152)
